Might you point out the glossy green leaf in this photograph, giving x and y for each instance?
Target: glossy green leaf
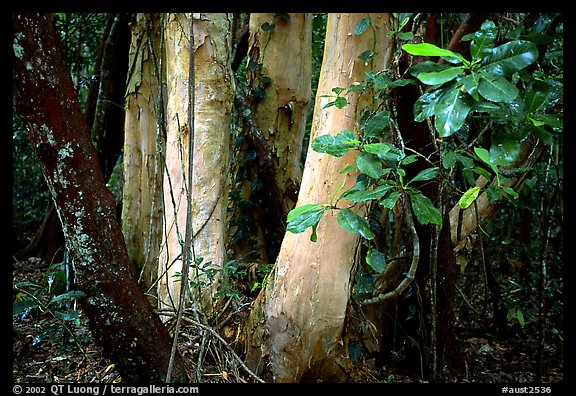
(483, 40)
(378, 149)
(510, 57)
(370, 165)
(390, 201)
(536, 94)
(483, 154)
(425, 210)
(504, 151)
(351, 222)
(496, 88)
(337, 145)
(424, 105)
(469, 197)
(427, 49)
(451, 111)
(367, 195)
(377, 124)
(448, 159)
(376, 260)
(302, 217)
(426, 174)
(440, 77)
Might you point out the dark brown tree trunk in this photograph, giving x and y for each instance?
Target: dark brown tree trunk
(107, 126)
(121, 318)
(107, 96)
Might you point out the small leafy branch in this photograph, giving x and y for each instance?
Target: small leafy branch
(381, 179)
(493, 88)
(493, 84)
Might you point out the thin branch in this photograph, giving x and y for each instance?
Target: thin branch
(218, 336)
(410, 276)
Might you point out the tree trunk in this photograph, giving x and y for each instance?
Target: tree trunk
(213, 89)
(121, 319)
(280, 101)
(281, 114)
(143, 205)
(298, 320)
(104, 112)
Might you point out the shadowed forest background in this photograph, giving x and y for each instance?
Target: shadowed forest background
(347, 197)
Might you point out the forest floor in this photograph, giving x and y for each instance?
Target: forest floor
(46, 351)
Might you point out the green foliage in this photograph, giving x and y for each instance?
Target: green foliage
(379, 162)
(491, 86)
(53, 298)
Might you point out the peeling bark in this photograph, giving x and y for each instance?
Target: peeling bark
(304, 305)
(214, 89)
(121, 319)
(143, 205)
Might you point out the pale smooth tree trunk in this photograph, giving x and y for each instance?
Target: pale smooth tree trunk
(213, 90)
(142, 201)
(298, 321)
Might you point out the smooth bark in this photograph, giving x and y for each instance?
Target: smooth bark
(304, 306)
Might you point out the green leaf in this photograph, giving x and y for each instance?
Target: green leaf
(433, 73)
(504, 151)
(302, 217)
(340, 102)
(451, 111)
(377, 124)
(378, 149)
(426, 49)
(424, 105)
(365, 57)
(370, 165)
(510, 57)
(469, 197)
(426, 174)
(483, 40)
(496, 88)
(337, 145)
(362, 26)
(520, 317)
(351, 222)
(448, 159)
(376, 260)
(425, 210)
(510, 191)
(483, 154)
(436, 78)
(390, 201)
(536, 95)
(68, 296)
(367, 195)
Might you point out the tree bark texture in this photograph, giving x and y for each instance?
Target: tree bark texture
(305, 303)
(144, 145)
(121, 319)
(280, 118)
(286, 59)
(214, 93)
